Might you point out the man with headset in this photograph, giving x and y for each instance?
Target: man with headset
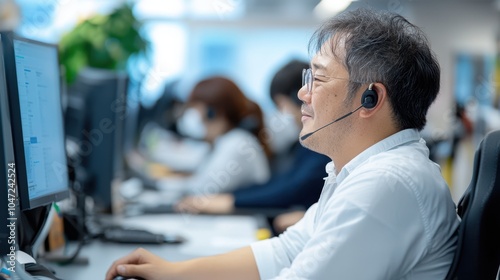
(385, 211)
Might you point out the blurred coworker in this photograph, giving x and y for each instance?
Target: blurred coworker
(218, 112)
(299, 184)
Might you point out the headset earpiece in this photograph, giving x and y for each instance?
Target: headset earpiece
(369, 98)
(210, 113)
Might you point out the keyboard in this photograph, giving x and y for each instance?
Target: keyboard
(132, 236)
(158, 209)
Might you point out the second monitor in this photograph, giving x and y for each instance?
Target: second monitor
(94, 123)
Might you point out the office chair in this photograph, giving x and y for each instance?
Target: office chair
(477, 255)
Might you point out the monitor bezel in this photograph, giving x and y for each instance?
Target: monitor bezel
(5, 140)
(17, 133)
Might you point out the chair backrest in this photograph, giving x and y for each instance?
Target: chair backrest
(478, 249)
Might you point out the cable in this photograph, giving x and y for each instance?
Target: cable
(81, 242)
(65, 260)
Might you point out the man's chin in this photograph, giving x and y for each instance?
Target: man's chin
(304, 139)
(308, 139)
(310, 144)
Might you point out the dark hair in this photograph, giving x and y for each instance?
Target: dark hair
(384, 47)
(288, 80)
(224, 98)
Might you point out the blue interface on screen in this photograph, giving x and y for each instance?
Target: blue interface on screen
(41, 117)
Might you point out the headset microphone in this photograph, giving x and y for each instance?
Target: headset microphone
(304, 137)
(369, 100)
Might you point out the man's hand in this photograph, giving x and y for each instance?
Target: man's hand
(141, 263)
(239, 264)
(210, 204)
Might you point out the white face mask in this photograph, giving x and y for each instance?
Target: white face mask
(190, 124)
(284, 131)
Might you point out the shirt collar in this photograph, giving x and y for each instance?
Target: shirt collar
(330, 170)
(397, 139)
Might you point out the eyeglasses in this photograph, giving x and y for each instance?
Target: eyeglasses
(308, 78)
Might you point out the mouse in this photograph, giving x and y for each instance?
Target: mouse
(128, 278)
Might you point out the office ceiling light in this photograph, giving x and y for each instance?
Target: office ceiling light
(328, 8)
(160, 9)
(217, 9)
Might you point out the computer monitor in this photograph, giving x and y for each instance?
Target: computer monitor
(32, 146)
(34, 91)
(94, 119)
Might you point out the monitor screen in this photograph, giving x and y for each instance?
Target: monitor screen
(33, 82)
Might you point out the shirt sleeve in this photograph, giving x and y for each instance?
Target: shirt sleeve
(275, 254)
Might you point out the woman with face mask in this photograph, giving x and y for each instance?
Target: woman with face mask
(218, 112)
(297, 177)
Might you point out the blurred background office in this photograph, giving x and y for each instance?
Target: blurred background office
(183, 41)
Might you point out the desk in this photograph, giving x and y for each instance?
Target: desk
(206, 235)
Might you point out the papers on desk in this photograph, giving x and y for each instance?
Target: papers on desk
(206, 235)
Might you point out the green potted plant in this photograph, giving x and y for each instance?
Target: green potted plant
(102, 41)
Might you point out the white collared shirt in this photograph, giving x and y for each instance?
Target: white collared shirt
(388, 214)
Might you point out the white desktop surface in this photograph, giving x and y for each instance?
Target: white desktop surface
(206, 235)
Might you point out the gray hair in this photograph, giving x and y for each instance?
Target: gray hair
(384, 47)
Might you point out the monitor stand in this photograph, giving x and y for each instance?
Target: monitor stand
(61, 259)
(26, 264)
(24, 267)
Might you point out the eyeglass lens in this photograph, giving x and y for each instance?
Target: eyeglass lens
(307, 78)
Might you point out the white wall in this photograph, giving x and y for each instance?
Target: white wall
(453, 27)
(254, 52)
